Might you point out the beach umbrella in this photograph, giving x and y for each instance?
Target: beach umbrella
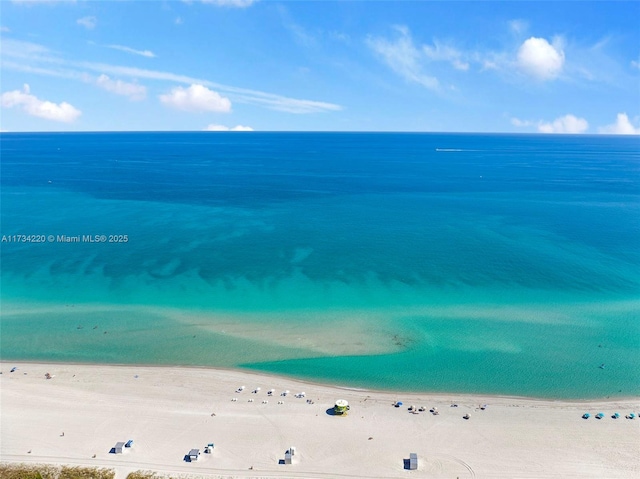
(616, 415)
(600, 415)
(399, 403)
(586, 415)
(632, 416)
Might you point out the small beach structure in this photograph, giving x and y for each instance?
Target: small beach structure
(599, 415)
(413, 461)
(193, 455)
(586, 415)
(209, 448)
(398, 404)
(129, 443)
(631, 416)
(288, 455)
(341, 407)
(616, 415)
(117, 449)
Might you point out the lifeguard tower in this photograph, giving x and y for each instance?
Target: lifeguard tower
(341, 407)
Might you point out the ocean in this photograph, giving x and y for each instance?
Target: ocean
(486, 264)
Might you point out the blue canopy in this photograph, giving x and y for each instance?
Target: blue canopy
(399, 403)
(586, 415)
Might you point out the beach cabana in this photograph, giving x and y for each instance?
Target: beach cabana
(586, 415)
(413, 461)
(193, 455)
(341, 407)
(129, 443)
(599, 415)
(117, 449)
(616, 415)
(631, 416)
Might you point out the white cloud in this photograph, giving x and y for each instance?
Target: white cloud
(133, 51)
(196, 98)
(230, 3)
(4, 29)
(521, 123)
(537, 57)
(31, 54)
(564, 124)
(119, 87)
(622, 126)
(440, 52)
(35, 107)
(518, 26)
(213, 127)
(179, 21)
(636, 63)
(402, 57)
(88, 22)
(243, 95)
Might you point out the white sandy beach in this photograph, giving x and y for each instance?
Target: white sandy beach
(169, 410)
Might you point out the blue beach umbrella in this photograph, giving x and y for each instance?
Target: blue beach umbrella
(616, 415)
(399, 403)
(599, 415)
(632, 416)
(586, 415)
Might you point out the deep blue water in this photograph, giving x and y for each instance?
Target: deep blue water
(502, 264)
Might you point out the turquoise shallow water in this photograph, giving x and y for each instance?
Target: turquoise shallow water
(467, 263)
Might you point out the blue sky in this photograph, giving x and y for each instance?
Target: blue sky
(511, 66)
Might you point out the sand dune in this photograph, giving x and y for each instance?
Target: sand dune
(169, 410)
